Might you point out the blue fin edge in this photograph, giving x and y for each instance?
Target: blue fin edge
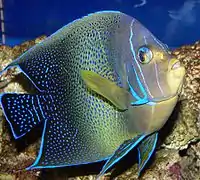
(89, 14)
(30, 79)
(14, 64)
(13, 132)
(135, 144)
(4, 70)
(10, 65)
(150, 154)
(1, 95)
(34, 165)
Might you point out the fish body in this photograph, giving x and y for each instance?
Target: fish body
(83, 122)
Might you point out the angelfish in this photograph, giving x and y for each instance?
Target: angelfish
(105, 86)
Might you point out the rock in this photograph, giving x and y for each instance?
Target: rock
(190, 163)
(178, 153)
(186, 127)
(161, 168)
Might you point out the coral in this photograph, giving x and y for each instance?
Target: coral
(190, 163)
(186, 127)
(178, 153)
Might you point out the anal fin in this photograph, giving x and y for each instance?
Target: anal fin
(23, 111)
(123, 149)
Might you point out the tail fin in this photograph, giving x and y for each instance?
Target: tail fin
(23, 111)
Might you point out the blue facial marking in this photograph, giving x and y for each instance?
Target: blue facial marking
(140, 100)
(144, 99)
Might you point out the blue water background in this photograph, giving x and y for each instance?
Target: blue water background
(174, 22)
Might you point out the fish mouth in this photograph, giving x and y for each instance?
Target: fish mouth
(174, 64)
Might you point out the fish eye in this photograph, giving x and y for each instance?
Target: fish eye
(145, 55)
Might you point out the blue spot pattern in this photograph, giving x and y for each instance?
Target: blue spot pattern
(23, 111)
(78, 123)
(75, 114)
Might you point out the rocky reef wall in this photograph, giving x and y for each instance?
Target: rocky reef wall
(178, 152)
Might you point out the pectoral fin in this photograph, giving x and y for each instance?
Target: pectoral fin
(120, 97)
(121, 152)
(145, 150)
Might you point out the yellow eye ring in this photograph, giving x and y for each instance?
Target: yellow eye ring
(144, 55)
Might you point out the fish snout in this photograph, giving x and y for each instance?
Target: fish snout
(175, 76)
(174, 64)
(176, 68)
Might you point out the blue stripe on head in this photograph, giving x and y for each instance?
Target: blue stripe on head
(140, 84)
(139, 99)
(137, 27)
(164, 47)
(135, 95)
